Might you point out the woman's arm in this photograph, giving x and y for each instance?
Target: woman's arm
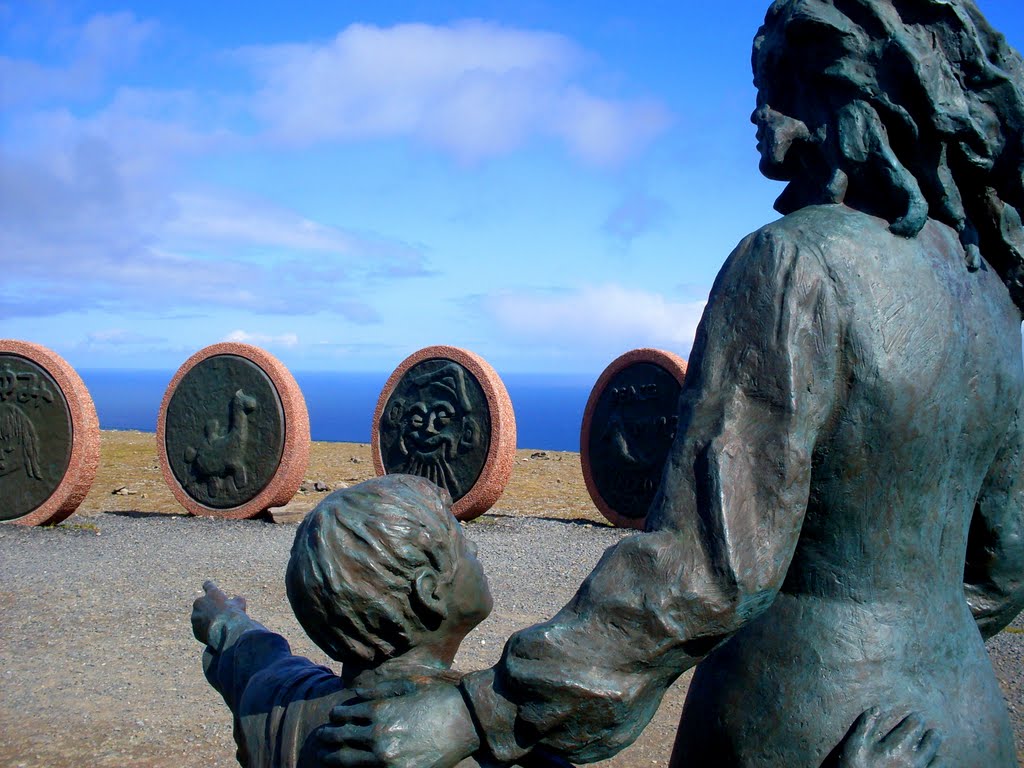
(761, 384)
(994, 570)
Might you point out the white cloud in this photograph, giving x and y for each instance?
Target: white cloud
(91, 218)
(92, 51)
(95, 214)
(603, 317)
(471, 88)
(264, 339)
(602, 131)
(204, 217)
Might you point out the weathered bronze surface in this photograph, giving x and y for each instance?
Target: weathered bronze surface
(224, 431)
(437, 424)
(35, 436)
(632, 428)
(841, 519)
(383, 579)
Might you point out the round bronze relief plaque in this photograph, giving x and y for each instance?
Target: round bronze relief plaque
(628, 427)
(224, 428)
(445, 415)
(49, 435)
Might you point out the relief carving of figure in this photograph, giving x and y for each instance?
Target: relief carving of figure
(19, 443)
(221, 455)
(435, 424)
(841, 517)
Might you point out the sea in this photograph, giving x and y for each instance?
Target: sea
(548, 407)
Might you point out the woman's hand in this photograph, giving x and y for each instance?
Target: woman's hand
(872, 743)
(400, 725)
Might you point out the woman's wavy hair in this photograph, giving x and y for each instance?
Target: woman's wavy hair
(913, 108)
(355, 557)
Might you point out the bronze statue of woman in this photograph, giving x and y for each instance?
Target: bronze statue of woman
(841, 518)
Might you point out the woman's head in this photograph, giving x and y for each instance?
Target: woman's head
(906, 109)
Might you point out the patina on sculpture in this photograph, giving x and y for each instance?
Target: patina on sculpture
(436, 425)
(842, 510)
(35, 436)
(225, 431)
(383, 580)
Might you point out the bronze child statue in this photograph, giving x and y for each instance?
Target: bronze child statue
(383, 580)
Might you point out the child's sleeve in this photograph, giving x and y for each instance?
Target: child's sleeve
(239, 648)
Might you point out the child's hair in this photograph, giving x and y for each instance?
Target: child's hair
(355, 557)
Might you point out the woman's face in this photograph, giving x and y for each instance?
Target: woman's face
(776, 134)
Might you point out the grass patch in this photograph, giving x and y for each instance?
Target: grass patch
(91, 527)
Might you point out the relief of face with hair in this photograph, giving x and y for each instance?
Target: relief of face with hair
(19, 446)
(436, 427)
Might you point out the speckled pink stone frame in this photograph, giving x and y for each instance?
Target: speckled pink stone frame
(85, 435)
(294, 458)
(502, 453)
(672, 363)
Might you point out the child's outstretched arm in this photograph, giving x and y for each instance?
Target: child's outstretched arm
(214, 612)
(236, 646)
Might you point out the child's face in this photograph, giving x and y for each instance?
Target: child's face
(471, 596)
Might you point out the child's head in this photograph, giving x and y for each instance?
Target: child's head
(380, 566)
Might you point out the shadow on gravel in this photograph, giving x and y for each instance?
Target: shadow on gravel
(576, 521)
(498, 516)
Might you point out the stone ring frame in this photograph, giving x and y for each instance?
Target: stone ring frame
(501, 453)
(84, 458)
(672, 364)
(287, 478)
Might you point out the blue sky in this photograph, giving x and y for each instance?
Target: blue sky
(548, 184)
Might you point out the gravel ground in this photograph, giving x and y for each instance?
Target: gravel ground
(98, 666)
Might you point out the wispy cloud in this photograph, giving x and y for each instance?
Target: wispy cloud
(471, 88)
(609, 317)
(154, 281)
(209, 218)
(94, 214)
(88, 54)
(204, 218)
(97, 211)
(80, 229)
(264, 339)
